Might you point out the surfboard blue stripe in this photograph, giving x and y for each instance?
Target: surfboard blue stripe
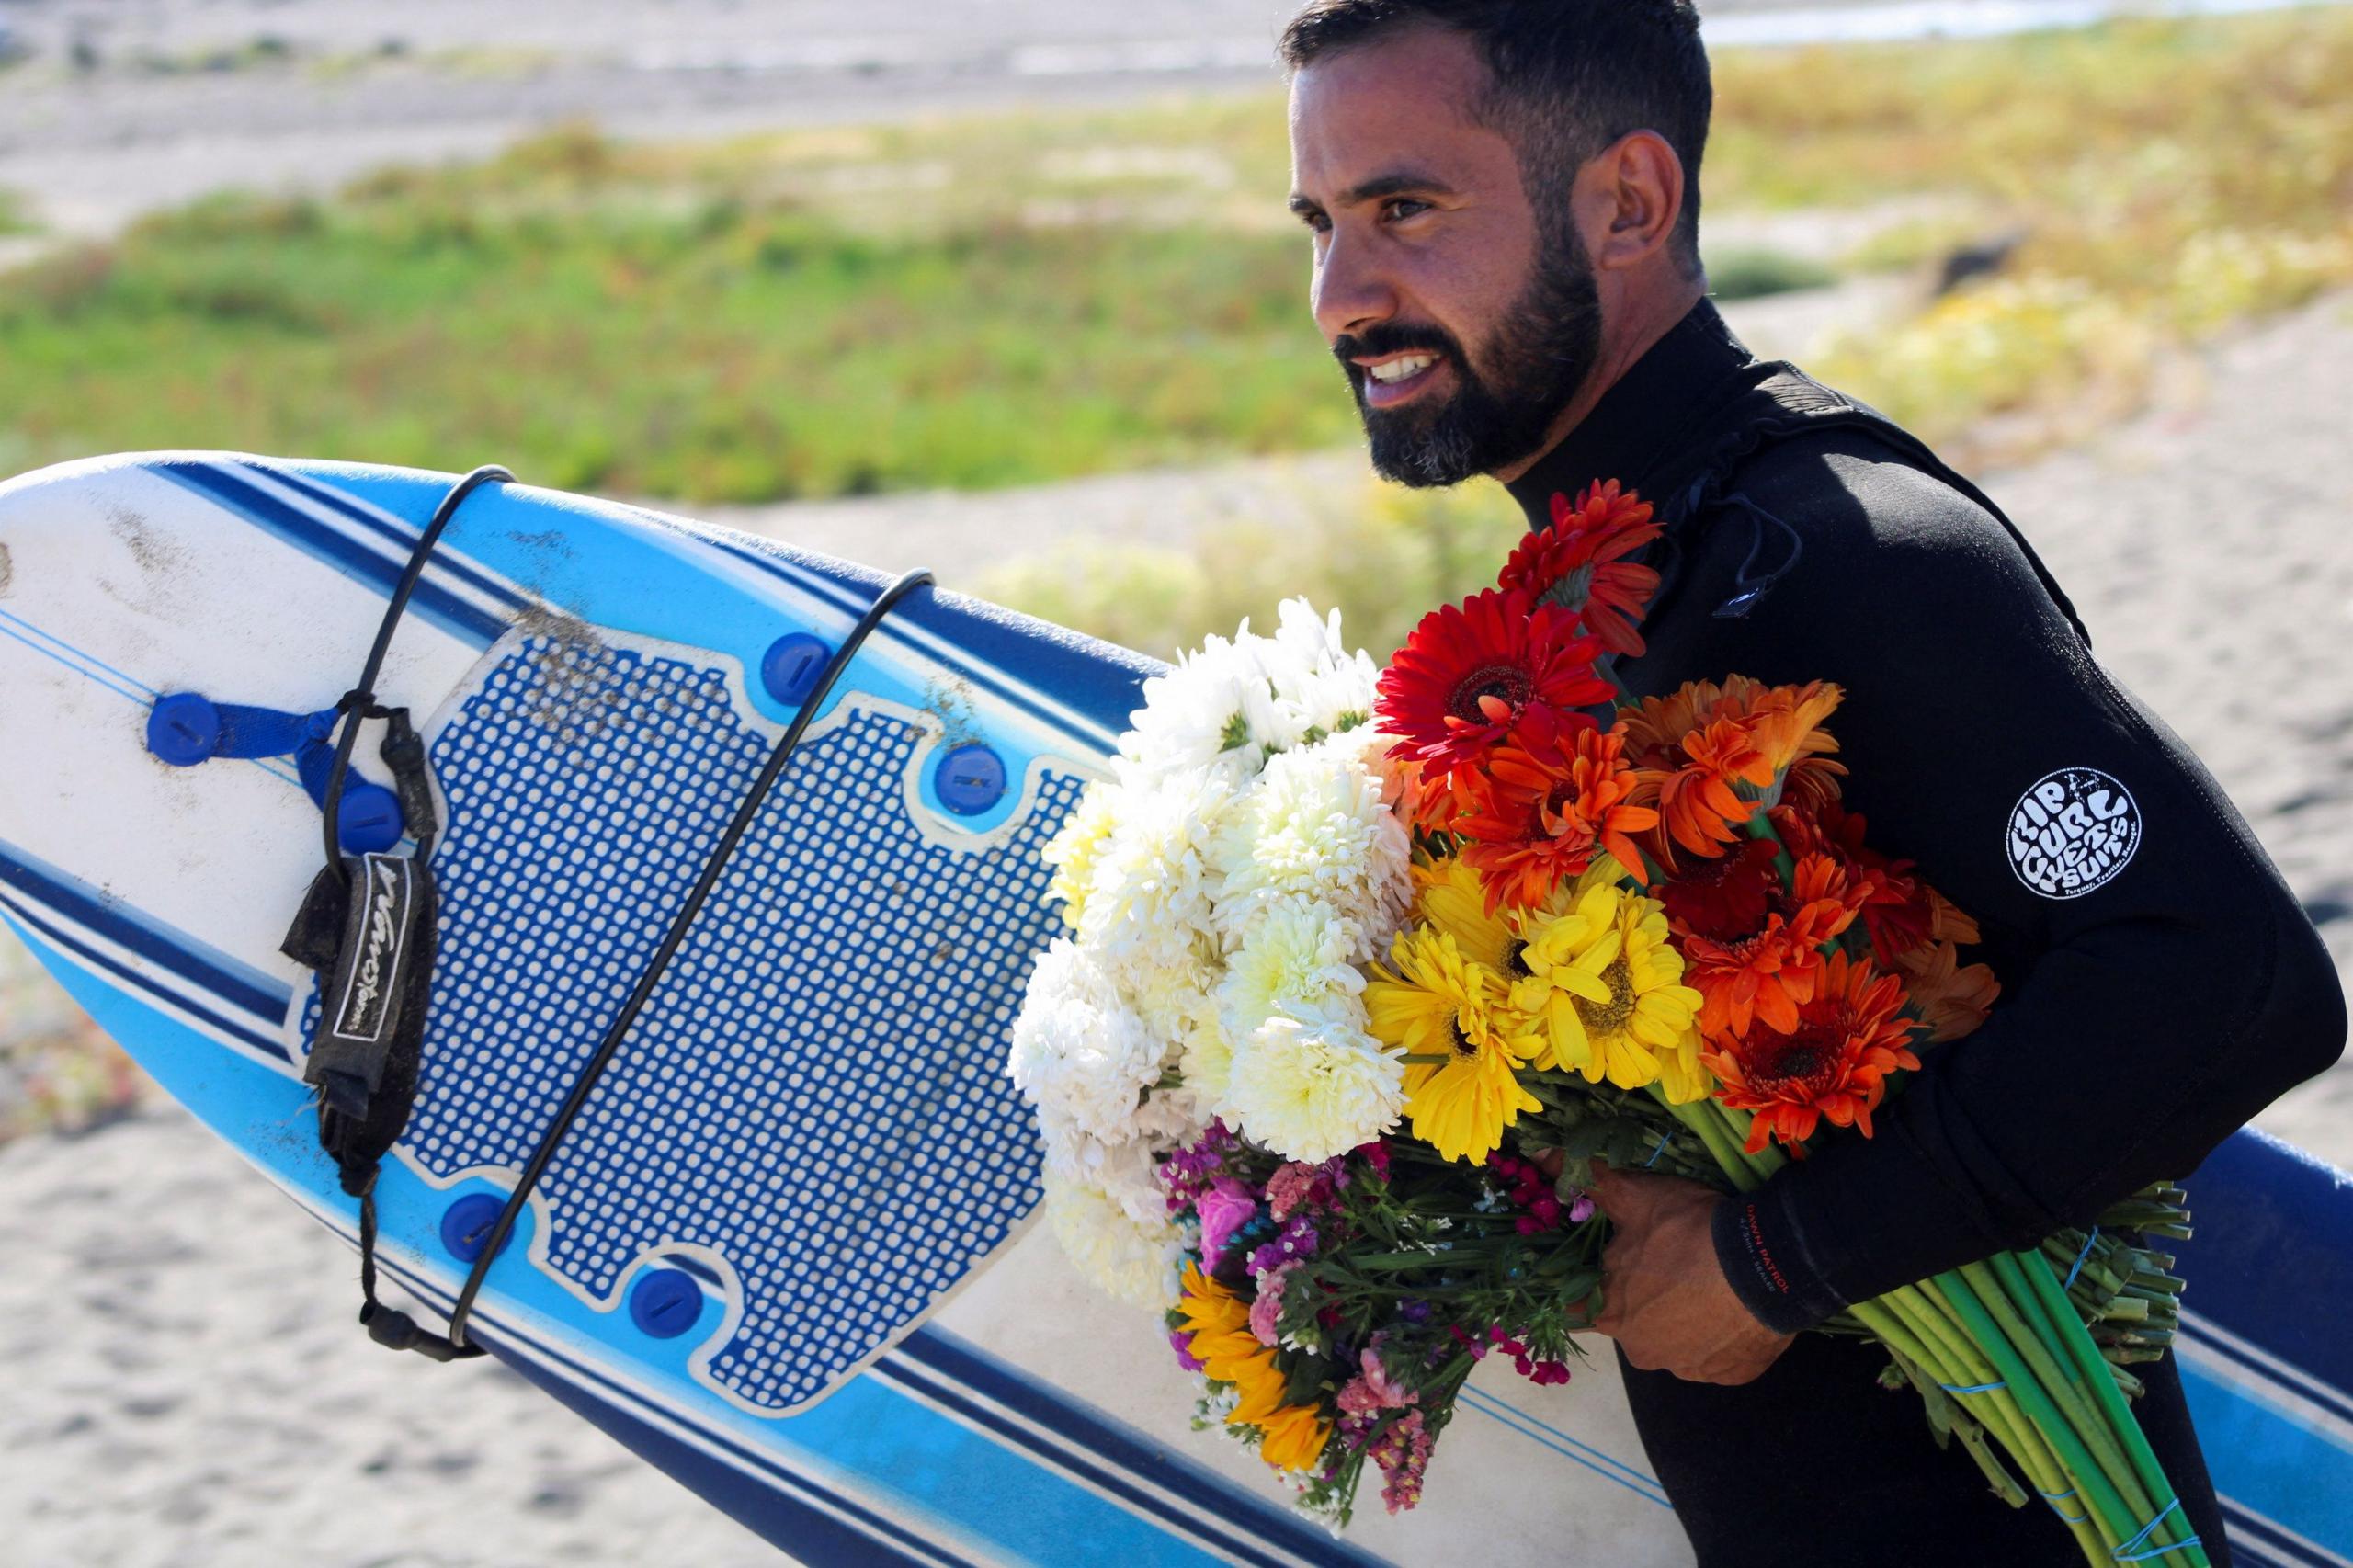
(589, 1375)
(2293, 1378)
(81, 664)
(985, 677)
(2260, 1541)
(436, 604)
(945, 1356)
(51, 655)
(47, 642)
(227, 980)
(1535, 1433)
(2271, 1463)
(1208, 1524)
(132, 978)
(403, 535)
(1642, 1478)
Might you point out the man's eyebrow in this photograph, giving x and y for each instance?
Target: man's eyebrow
(1395, 183)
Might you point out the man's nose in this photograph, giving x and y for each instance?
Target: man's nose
(1350, 291)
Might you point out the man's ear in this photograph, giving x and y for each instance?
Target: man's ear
(1629, 197)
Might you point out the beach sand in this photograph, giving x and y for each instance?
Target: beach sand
(181, 1381)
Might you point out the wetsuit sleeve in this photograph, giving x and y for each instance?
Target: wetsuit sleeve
(2168, 985)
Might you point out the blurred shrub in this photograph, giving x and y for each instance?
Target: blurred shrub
(1381, 554)
(1748, 273)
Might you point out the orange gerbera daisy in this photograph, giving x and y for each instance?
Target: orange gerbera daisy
(1557, 796)
(1768, 976)
(1895, 904)
(1471, 673)
(1832, 1062)
(1784, 722)
(1699, 805)
(1952, 998)
(1575, 563)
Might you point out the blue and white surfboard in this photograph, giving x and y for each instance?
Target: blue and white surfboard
(784, 1254)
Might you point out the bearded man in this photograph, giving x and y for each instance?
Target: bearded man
(1504, 201)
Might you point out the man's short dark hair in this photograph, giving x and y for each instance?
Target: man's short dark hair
(1567, 78)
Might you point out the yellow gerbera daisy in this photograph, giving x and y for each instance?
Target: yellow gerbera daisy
(1605, 991)
(1448, 898)
(1461, 1039)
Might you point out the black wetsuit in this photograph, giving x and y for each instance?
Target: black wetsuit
(2160, 983)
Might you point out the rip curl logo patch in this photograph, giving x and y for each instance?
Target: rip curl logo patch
(2073, 830)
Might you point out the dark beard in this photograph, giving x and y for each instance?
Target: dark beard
(1543, 349)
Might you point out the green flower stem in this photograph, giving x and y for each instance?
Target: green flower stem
(1711, 1131)
(2036, 1339)
(2034, 1274)
(1761, 826)
(1931, 1320)
(1913, 1359)
(1996, 1327)
(2102, 1506)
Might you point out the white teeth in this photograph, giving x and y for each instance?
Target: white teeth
(1398, 369)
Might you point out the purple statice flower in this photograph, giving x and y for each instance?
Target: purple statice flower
(1188, 1170)
(1414, 1310)
(1266, 1312)
(1224, 1208)
(1295, 1242)
(1181, 1342)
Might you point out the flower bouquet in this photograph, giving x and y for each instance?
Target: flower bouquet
(1361, 958)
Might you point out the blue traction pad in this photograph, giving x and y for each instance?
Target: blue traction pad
(816, 1091)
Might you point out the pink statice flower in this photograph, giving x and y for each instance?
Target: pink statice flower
(1266, 1312)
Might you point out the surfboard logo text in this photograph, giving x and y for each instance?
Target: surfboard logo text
(2073, 830)
(363, 1012)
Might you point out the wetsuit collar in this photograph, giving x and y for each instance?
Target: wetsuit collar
(1638, 418)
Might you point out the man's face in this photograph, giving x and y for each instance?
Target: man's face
(1425, 247)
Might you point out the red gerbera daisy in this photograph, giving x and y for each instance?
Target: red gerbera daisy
(1832, 1062)
(1575, 563)
(1725, 898)
(1557, 795)
(1471, 672)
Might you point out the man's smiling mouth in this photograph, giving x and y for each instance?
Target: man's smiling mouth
(1398, 377)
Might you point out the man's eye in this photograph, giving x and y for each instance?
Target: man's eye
(1402, 201)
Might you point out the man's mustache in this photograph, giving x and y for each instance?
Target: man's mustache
(1395, 340)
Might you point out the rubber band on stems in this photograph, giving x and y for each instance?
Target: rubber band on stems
(2126, 1553)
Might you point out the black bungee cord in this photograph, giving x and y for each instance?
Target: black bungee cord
(397, 1330)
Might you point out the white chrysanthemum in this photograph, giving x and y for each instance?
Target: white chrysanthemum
(1134, 1260)
(1149, 907)
(1325, 688)
(1195, 718)
(1294, 958)
(1207, 1067)
(1312, 1089)
(1317, 826)
(1080, 1054)
(1073, 851)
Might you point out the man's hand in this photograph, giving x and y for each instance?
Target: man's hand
(1664, 1298)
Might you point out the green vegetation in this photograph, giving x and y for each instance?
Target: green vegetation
(15, 219)
(980, 301)
(1378, 553)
